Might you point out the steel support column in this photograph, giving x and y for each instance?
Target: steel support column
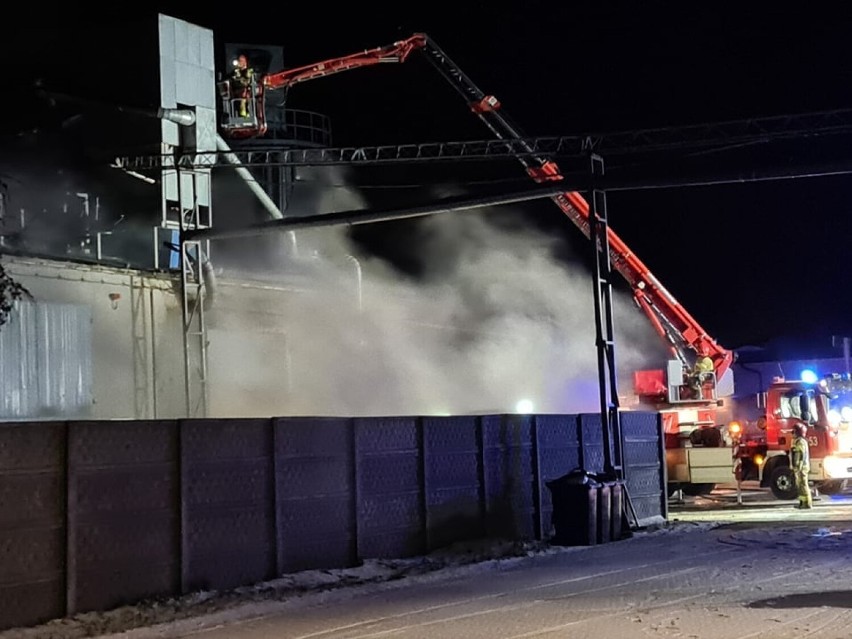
(613, 443)
(604, 330)
(193, 254)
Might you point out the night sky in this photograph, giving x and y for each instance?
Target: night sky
(754, 263)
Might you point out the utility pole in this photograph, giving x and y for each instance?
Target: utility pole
(838, 341)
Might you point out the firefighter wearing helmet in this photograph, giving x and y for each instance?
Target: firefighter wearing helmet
(701, 373)
(800, 460)
(242, 79)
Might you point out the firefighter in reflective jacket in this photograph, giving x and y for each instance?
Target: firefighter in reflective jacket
(801, 460)
(242, 79)
(700, 374)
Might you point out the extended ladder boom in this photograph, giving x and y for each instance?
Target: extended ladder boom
(668, 317)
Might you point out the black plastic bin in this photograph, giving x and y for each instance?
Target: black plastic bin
(575, 509)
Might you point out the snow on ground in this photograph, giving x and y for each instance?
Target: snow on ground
(775, 580)
(309, 587)
(689, 580)
(778, 581)
(718, 570)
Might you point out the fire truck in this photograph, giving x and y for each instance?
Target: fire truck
(824, 405)
(705, 445)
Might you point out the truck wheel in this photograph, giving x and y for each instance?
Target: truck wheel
(783, 483)
(693, 490)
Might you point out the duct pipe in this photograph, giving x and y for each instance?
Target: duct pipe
(248, 178)
(208, 276)
(182, 117)
(359, 281)
(354, 217)
(251, 182)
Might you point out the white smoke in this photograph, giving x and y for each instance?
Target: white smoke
(493, 320)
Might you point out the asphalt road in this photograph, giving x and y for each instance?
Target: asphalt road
(758, 505)
(721, 570)
(767, 571)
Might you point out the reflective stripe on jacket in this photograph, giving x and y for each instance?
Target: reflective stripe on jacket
(800, 454)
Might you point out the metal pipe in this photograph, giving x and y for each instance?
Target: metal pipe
(153, 352)
(182, 117)
(572, 183)
(2, 213)
(248, 178)
(251, 182)
(355, 261)
(353, 217)
(208, 276)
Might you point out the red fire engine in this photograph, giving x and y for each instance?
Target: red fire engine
(825, 406)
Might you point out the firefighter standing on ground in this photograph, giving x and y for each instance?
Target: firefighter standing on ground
(800, 459)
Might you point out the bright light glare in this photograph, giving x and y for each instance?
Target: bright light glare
(524, 407)
(808, 376)
(833, 418)
(846, 414)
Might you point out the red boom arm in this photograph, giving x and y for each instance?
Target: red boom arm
(667, 316)
(397, 52)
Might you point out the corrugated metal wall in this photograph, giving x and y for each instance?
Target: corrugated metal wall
(126, 324)
(46, 361)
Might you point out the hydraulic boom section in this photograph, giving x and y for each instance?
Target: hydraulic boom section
(396, 52)
(669, 318)
(244, 103)
(685, 336)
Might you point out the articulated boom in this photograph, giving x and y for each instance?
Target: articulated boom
(396, 52)
(668, 317)
(244, 107)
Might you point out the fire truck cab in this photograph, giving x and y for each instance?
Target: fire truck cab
(824, 406)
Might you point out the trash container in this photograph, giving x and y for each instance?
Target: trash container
(617, 511)
(575, 509)
(610, 506)
(604, 512)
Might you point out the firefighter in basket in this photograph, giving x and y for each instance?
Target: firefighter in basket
(242, 80)
(701, 373)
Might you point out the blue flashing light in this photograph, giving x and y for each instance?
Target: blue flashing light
(808, 376)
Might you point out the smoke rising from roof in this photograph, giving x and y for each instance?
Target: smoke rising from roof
(491, 319)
